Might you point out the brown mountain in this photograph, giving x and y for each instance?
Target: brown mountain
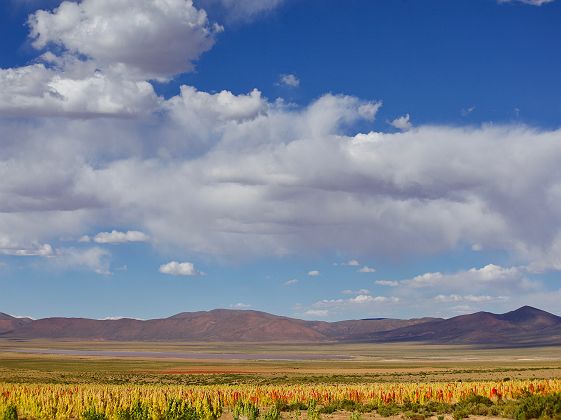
(524, 326)
(9, 323)
(215, 325)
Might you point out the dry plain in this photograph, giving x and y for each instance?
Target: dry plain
(87, 365)
(170, 362)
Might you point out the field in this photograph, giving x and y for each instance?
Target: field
(97, 380)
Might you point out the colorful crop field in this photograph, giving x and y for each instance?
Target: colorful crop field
(37, 401)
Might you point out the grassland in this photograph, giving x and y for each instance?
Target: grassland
(166, 366)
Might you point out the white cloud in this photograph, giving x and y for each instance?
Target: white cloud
(212, 114)
(289, 80)
(378, 193)
(175, 268)
(369, 110)
(313, 273)
(36, 90)
(206, 172)
(243, 10)
(116, 237)
(8, 247)
(291, 282)
(356, 292)
(360, 299)
(468, 298)
(490, 276)
(321, 313)
(466, 111)
(240, 306)
(367, 269)
(361, 305)
(531, 2)
(94, 259)
(387, 283)
(352, 263)
(402, 123)
(142, 38)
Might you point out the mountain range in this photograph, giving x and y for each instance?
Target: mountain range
(524, 326)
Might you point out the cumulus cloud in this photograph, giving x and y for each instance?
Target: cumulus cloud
(490, 276)
(366, 269)
(289, 80)
(116, 237)
(291, 282)
(491, 287)
(37, 90)
(145, 39)
(313, 273)
(402, 123)
(240, 306)
(8, 247)
(243, 171)
(237, 175)
(99, 56)
(175, 268)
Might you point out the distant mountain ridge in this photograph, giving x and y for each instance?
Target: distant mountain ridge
(9, 323)
(526, 325)
(523, 326)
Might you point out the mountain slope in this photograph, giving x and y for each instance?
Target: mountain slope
(524, 326)
(215, 325)
(10, 323)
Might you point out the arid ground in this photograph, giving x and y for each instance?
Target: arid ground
(180, 363)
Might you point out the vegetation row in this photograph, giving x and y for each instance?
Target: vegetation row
(512, 399)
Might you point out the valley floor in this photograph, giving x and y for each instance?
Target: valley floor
(357, 379)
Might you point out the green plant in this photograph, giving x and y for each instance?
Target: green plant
(313, 411)
(10, 413)
(180, 410)
(355, 415)
(272, 414)
(137, 412)
(246, 409)
(388, 410)
(92, 414)
(536, 406)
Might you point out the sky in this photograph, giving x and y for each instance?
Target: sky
(338, 159)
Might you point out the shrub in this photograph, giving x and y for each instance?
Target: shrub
(388, 410)
(180, 410)
(92, 414)
(10, 413)
(137, 412)
(272, 414)
(536, 406)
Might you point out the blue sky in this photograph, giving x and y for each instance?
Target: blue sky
(323, 160)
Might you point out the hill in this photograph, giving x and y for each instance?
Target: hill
(9, 323)
(524, 326)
